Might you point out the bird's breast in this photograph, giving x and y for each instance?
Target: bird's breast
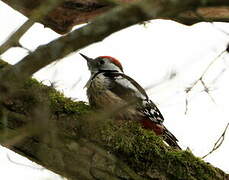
(100, 97)
(123, 102)
(98, 93)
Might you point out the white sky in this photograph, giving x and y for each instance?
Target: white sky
(148, 54)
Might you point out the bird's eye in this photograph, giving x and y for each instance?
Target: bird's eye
(101, 61)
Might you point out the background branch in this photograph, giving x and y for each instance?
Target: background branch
(13, 40)
(200, 79)
(95, 31)
(36, 15)
(218, 143)
(204, 14)
(83, 11)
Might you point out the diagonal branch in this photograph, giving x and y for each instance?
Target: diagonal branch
(13, 40)
(218, 143)
(74, 12)
(103, 26)
(36, 15)
(200, 79)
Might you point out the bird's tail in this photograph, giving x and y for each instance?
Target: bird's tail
(161, 130)
(170, 139)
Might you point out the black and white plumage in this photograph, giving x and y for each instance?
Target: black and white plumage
(109, 88)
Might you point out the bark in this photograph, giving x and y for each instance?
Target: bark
(204, 14)
(62, 18)
(74, 12)
(78, 143)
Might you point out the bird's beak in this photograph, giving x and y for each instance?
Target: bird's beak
(87, 58)
(89, 61)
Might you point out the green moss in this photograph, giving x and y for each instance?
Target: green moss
(186, 166)
(34, 92)
(141, 148)
(59, 104)
(33, 83)
(133, 142)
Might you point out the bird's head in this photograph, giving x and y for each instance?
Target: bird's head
(103, 63)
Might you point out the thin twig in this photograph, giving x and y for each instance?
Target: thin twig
(200, 79)
(205, 71)
(13, 40)
(218, 143)
(206, 89)
(219, 29)
(214, 25)
(186, 105)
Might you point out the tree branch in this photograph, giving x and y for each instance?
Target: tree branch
(74, 144)
(79, 12)
(36, 15)
(13, 40)
(200, 79)
(66, 15)
(95, 31)
(204, 14)
(218, 143)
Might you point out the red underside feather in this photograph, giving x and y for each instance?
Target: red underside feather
(148, 124)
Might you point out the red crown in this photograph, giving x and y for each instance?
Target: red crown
(113, 60)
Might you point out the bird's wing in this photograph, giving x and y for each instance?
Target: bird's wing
(151, 111)
(129, 90)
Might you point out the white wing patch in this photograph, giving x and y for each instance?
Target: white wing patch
(151, 110)
(129, 86)
(128, 89)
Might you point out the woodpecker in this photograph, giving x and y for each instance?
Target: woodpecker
(109, 88)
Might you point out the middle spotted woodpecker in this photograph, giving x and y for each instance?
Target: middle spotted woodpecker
(109, 88)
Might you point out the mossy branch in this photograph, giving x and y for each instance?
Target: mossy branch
(75, 142)
(101, 27)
